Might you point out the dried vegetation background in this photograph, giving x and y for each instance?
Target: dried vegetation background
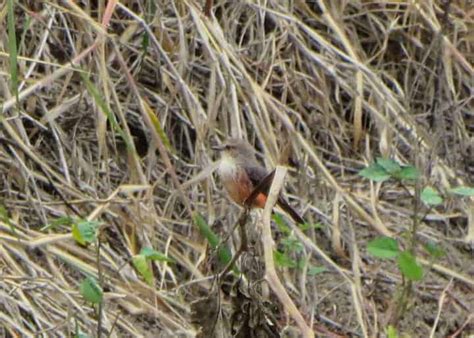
(335, 83)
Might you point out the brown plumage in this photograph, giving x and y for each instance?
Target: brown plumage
(240, 173)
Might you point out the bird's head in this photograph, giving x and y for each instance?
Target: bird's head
(237, 150)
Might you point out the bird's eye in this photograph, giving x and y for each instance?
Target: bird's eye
(228, 146)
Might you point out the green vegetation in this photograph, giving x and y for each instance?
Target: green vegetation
(389, 248)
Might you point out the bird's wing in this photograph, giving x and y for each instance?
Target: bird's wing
(262, 179)
(256, 175)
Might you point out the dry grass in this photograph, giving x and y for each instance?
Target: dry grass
(121, 102)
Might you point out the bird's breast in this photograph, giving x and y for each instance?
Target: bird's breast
(227, 168)
(235, 179)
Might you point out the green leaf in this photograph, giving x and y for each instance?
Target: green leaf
(206, 231)
(154, 255)
(307, 226)
(85, 232)
(434, 250)
(91, 290)
(145, 43)
(430, 196)
(408, 173)
(390, 166)
(81, 335)
(383, 247)
(316, 270)
(375, 172)
(292, 244)
(283, 260)
(140, 263)
(392, 332)
(223, 253)
(12, 47)
(281, 224)
(463, 191)
(157, 126)
(409, 267)
(105, 109)
(301, 263)
(5, 218)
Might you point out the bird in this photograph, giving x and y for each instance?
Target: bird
(240, 173)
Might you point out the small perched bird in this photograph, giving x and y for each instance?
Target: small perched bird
(240, 173)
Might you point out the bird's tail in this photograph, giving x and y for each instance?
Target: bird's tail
(282, 203)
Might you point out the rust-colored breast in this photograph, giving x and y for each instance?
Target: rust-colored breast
(260, 201)
(240, 187)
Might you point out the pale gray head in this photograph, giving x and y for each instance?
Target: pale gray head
(239, 150)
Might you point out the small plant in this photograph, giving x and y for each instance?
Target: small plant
(86, 232)
(224, 255)
(5, 218)
(389, 248)
(391, 332)
(91, 290)
(291, 247)
(142, 261)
